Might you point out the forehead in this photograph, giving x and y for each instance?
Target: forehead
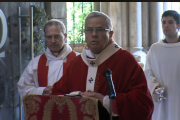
(53, 28)
(168, 18)
(96, 22)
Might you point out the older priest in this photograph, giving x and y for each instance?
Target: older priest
(85, 73)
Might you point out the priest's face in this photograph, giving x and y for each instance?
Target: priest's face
(169, 26)
(55, 38)
(97, 34)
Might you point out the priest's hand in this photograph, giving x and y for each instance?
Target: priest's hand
(47, 90)
(92, 94)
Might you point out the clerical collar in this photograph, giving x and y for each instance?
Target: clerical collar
(58, 52)
(167, 42)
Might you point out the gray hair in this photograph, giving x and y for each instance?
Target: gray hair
(100, 14)
(57, 23)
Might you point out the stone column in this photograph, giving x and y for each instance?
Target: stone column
(135, 26)
(175, 6)
(56, 10)
(135, 32)
(124, 25)
(115, 16)
(96, 6)
(104, 7)
(145, 26)
(156, 10)
(167, 6)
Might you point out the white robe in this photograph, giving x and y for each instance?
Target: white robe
(28, 83)
(163, 68)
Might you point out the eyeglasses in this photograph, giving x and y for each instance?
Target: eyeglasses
(97, 30)
(49, 37)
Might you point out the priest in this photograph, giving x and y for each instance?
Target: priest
(84, 75)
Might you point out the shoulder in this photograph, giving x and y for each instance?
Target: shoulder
(122, 56)
(75, 53)
(36, 59)
(154, 48)
(34, 62)
(77, 59)
(156, 44)
(124, 53)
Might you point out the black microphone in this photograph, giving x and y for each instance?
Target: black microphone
(107, 74)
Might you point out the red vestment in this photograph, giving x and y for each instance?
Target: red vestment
(43, 68)
(133, 100)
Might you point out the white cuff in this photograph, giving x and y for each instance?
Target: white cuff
(106, 101)
(40, 90)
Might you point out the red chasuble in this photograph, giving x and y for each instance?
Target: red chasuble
(43, 69)
(133, 100)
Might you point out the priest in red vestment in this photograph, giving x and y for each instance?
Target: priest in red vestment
(84, 75)
(44, 70)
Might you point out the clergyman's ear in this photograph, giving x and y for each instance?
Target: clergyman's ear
(111, 34)
(65, 37)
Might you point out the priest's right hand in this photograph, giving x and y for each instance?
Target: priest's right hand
(47, 90)
(92, 94)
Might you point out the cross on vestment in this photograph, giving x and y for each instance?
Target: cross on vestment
(92, 63)
(116, 46)
(90, 80)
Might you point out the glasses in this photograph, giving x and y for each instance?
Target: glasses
(49, 37)
(97, 30)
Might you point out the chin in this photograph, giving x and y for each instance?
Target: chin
(96, 51)
(52, 50)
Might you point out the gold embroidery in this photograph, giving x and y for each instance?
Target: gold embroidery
(60, 101)
(33, 118)
(90, 107)
(30, 106)
(87, 118)
(96, 85)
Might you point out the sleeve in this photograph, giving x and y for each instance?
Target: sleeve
(3, 82)
(61, 86)
(133, 99)
(28, 83)
(151, 80)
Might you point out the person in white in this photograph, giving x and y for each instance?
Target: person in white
(56, 54)
(162, 69)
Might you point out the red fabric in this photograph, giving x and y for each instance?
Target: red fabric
(70, 57)
(43, 69)
(52, 107)
(133, 100)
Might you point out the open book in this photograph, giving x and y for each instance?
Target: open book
(74, 94)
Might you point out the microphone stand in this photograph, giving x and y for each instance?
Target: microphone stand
(112, 94)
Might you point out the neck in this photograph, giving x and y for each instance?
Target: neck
(57, 52)
(172, 39)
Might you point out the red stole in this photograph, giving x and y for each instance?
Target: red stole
(43, 69)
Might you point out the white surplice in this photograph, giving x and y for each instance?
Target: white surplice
(28, 83)
(163, 68)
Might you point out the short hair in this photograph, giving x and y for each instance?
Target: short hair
(173, 14)
(57, 23)
(100, 14)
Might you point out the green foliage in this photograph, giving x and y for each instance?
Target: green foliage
(39, 20)
(77, 12)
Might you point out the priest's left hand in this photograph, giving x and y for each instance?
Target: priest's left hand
(47, 90)
(92, 94)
